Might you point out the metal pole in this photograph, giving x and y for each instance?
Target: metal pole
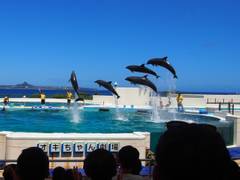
(233, 108)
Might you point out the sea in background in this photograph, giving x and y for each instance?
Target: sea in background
(17, 93)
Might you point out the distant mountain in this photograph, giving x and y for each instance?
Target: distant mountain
(24, 85)
(28, 86)
(25, 88)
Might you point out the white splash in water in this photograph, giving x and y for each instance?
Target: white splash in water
(119, 115)
(75, 113)
(155, 103)
(171, 82)
(142, 90)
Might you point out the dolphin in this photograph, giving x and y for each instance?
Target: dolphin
(142, 81)
(142, 69)
(73, 80)
(164, 63)
(108, 86)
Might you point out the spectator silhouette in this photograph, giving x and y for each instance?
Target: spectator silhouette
(69, 174)
(9, 172)
(33, 164)
(192, 152)
(100, 165)
(59, 173)
(130, 164)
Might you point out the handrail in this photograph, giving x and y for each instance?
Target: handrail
(69, 160)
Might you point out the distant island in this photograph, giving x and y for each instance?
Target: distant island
(26, 85)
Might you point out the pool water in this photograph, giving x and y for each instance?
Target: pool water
(93, 121)
(90, 121)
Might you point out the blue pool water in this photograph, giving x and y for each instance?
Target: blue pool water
(90, 120)
(93, 121)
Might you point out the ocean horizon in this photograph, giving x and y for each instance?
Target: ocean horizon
(13, 92)
(17, 93)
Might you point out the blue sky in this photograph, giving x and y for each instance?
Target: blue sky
(42, 41)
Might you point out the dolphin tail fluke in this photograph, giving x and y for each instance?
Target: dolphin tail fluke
(175, 76)
(79, 99)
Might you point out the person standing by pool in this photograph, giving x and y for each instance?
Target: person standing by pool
(69, 97)
(180, 102)
(42, 97)
(5, 102)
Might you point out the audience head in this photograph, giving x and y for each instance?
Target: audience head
(100, 164)
(191, 151)
(59, 173)
(9, 172)
(32, 164)
(69, 174)
(129, 160)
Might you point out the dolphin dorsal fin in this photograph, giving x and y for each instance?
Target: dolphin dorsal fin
(142, 65)
(109, 82)
(165, 58)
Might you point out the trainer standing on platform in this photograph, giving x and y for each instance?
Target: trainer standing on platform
(69, 97)
(5, 102)
(42, 97)
(180, 102)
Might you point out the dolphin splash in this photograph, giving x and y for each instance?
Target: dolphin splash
(164, 63)
(142, 81)
(142, 69)
(108, 86)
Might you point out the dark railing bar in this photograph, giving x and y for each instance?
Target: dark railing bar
(71, 160)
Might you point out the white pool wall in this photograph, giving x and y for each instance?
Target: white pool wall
(12, 143)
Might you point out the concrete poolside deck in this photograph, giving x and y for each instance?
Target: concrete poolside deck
(134, 96)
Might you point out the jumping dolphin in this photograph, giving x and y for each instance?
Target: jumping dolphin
(142, 69)
(108, 86)
(142, 81)
(164, 63)
(75, 86)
